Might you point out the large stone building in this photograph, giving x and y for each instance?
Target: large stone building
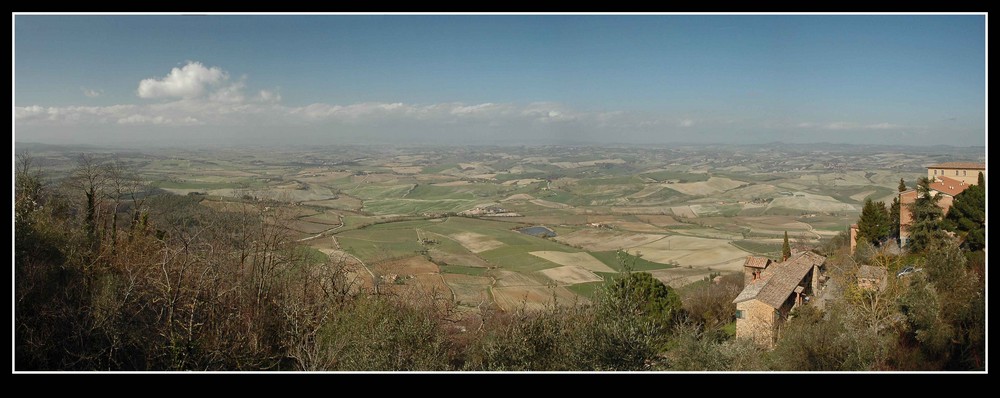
(967, 172)
(947, 180)
(771, 291)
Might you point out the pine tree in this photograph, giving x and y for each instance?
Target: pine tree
(786, 250)
(902, 185)
(874, 226)
(927, 214)
(967, 216)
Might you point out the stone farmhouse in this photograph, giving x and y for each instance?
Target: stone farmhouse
(771, 291)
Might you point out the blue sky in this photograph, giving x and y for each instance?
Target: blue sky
(470, 79)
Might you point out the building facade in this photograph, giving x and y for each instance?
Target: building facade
(772, 290)
(967, 172)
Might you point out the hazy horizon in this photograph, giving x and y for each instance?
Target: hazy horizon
(496, 80)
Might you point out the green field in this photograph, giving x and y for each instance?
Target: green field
(458, 269)
(677, 176)
(758, 248)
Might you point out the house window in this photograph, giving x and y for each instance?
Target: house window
(956, 173)
(935, 172)
(965, 173)
(739, 314)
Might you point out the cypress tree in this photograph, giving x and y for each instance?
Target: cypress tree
(786, 250)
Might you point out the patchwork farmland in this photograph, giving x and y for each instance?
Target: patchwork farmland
(445, 221)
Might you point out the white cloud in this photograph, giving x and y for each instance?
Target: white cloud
(198, 95)
(232, 93)
(228, 107)
(189, 81)
(91, 93)
(883, 126)
(268, 96)
(853, 126)
(840, 126)
(142, 119)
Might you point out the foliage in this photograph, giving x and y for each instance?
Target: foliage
(710, 306)
(655, 301)
(967, 216)
(894, 218)
(786, 250)
(926, 216)
(697, 350)
(810, 342)
(874, 225)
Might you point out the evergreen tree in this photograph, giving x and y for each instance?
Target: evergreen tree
(894, 212)
(894, 218)
(874, 226)
(926, 225)
(786, 250)
(967, 216)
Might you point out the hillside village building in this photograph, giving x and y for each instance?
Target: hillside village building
(771, 291)
(967, 172)
(947, 181)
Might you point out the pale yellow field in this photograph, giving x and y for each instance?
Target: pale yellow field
(510, 278)
(598, 240)
(714, 185)
(519, 196)
(693, 251)
(584, 260)
(636, 227)
(523, 181)
(456, 183)
(683, 212)
(660, 220)
(551, 205)
(415, 265)
(572, 165)
(570, 275)
(534, 297)
(650, 210)
(476, 243)
(810, 202)
(677, 277)
(407, 169)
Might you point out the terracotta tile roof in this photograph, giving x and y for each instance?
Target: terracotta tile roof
(779, 280)
(756, 262)
(750, 291)
(948, 186)
(958, 165)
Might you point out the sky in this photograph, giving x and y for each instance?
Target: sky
(495, 79)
